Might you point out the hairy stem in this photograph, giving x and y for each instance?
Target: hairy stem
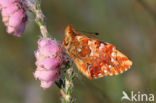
(39, 17)
(68, 86)
(65, 84)
(40, 21)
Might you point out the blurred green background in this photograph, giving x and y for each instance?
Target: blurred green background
(127, 24)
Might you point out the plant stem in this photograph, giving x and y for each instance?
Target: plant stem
(65, 82)
(69, 76)
(40, 21)
(39, 17)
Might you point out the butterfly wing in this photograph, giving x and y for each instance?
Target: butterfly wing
(94, 58)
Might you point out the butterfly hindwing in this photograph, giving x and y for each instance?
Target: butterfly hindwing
(94, 58)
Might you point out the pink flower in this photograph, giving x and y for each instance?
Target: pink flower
(50, 63)
(46, 75)
(5, 3)
(14, 16)
(49, 59)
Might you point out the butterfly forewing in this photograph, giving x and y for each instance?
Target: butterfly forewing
(94, 58)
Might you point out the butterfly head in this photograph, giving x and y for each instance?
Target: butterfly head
(69, 34)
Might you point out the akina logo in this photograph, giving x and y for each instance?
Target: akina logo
(137, 97)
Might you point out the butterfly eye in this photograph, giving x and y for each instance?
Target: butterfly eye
(66, 43)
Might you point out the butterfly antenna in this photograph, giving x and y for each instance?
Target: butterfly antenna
(94, 33)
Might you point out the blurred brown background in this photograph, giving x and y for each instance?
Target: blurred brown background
(128, 24)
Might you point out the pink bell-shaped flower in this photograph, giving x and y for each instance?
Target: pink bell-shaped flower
(49, 59)
(14, 16)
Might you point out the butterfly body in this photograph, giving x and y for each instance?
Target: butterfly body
(93, 57)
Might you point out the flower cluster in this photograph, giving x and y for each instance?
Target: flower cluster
(49, 59)
(13, 15)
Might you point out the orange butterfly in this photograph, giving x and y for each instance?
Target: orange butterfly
(94, 58)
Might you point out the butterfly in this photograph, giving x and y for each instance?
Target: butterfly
(93, 57)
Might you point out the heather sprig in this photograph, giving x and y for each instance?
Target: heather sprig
(52, 64)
